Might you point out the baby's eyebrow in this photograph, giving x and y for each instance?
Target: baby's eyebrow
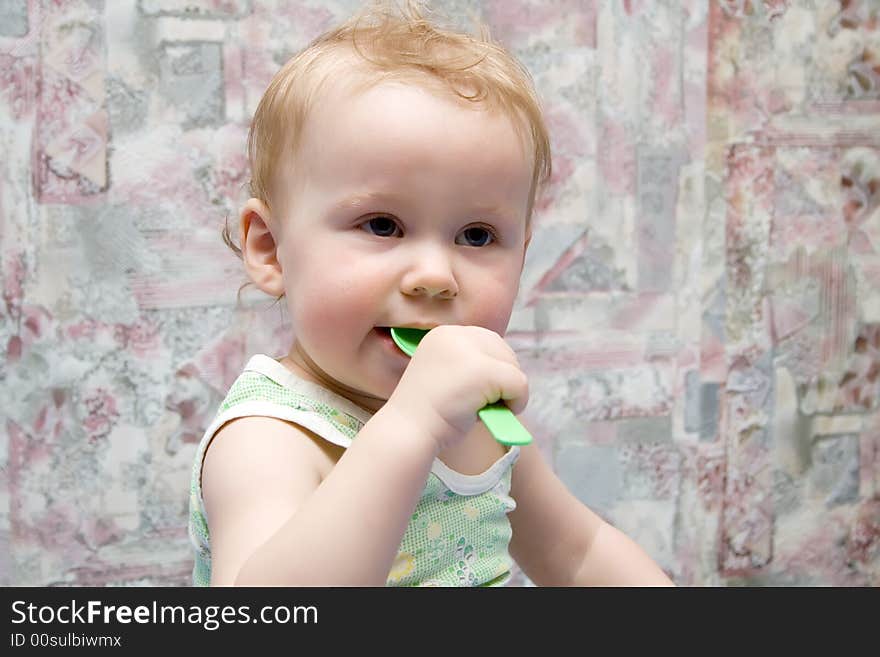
(356, 202)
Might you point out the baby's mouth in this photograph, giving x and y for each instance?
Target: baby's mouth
(383, 332)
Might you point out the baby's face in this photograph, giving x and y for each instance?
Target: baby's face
(408, 209)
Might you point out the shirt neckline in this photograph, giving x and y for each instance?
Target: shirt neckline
(458, 482)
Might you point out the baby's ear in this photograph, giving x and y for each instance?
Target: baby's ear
(259, 248)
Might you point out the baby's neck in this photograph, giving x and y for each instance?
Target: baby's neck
(299, 362)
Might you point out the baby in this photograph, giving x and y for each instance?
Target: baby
(395, 167)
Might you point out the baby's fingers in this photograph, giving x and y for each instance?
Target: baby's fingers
(515, 389)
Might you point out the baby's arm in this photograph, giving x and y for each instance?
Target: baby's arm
(280, 513)
(558, 541)
(275, 519)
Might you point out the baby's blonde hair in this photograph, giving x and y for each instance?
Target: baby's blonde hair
(388, 42)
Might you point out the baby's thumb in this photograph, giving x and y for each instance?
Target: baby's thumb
(518, 405)
(518, 395)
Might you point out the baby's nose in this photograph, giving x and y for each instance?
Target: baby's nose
(430, 276)
(435, 291)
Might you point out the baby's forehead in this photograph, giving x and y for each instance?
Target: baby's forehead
(318, 98)
(408, 115)
(349, 78)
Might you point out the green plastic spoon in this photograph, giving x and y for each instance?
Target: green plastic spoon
(499, 419)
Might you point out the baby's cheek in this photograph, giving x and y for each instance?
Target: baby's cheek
(320, 320)
(331, 313)
(496, 306)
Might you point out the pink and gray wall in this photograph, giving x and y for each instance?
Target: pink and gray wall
(699, 312)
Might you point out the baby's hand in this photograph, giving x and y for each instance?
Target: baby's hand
(455, 372)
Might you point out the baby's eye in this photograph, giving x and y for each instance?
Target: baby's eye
(476, 236)
(381, 226)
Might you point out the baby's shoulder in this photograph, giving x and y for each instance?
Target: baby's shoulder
(264, 453)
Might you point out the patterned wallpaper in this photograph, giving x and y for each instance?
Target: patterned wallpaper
(699, 312)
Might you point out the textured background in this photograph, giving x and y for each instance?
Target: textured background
(699, 313)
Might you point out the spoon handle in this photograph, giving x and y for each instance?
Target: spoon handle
(503, 425)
